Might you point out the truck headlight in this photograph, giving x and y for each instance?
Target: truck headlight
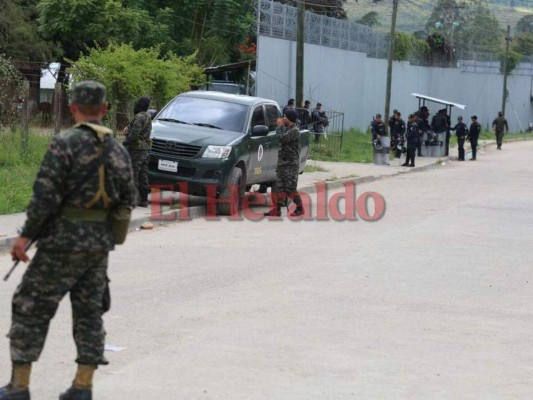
(217, 152)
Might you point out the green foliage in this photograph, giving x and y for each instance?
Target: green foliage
(524, 44)
(512, 61)
(440, 52)
(402, 45)
(18, 173)
(19, 36)
(371, 19)
(84, 23)
(214, 30)
(525, 24)
(356, 147)
(129, 74)
(331, 8)
(480, 29)
(11, 87)
(455, 28)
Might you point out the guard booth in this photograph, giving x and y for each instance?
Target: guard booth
(435, 144)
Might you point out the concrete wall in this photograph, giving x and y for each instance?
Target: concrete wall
(351, 83)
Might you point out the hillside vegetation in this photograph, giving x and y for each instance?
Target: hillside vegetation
(413, 14)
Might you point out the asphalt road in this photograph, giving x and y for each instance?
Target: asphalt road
(433, 301)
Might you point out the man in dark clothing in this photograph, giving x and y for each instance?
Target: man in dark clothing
(397, 128)
(438, 123)
(287, 169)
(473, 136)
(448, 131)
(461, 132)
(423, 127)
(289, 106)
(412, 138)
(391, 119)
(304, 115)
(320, 121)
(500, 127)
(84, 175)
(377, 127)
(138, 143)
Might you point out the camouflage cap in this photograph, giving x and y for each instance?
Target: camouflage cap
(89, 93)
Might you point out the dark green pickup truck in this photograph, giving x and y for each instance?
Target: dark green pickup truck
(205, 140)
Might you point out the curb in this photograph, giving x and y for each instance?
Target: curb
(199, 211)
(135, 224)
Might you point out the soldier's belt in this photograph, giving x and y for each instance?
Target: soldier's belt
(83, 215)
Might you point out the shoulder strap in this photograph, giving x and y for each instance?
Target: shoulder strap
(98, 167)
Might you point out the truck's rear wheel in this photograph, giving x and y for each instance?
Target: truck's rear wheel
(233, 194)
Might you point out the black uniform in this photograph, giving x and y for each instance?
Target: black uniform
(412, 139)
(377, 128)
(461, 132)
(473, 136)
(423, 126)
(397, 127)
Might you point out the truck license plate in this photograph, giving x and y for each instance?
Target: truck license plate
(170, 166)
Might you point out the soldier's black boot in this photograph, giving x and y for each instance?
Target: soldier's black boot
(82, 386)
(77, 394)
(17, 389)
(9, 393)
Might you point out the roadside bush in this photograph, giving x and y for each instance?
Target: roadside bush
(18, 171)
(129, 74)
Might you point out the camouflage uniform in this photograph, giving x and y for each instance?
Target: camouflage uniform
(73, 236)
(288, 166)
(500, 126)
(138, 143)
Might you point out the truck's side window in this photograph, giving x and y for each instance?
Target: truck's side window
(258, 117)
(273, 114)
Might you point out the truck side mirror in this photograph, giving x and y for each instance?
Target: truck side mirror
(260, 130)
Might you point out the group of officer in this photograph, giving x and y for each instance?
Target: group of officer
(408, 138)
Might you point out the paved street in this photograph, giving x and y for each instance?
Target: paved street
(433, 301)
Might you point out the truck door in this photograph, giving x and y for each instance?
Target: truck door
(272, 115)
(258, 148)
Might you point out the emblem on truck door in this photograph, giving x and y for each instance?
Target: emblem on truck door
(260, 153)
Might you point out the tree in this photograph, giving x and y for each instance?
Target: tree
(86, 23)
(464, 27)
(369, 19)
(129, 74)
(512, 61)
(212, 29)
(330, 8)
(21, 41)
(524, 44)
(11, 91)
(525, 24)
(19, 38)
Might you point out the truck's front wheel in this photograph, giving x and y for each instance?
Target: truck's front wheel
(230, 199)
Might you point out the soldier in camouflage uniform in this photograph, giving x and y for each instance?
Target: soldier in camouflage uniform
(288, 166)
(500, 127)
(84, 173)
(138, 143)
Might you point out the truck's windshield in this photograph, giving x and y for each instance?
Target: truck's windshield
(206, 112)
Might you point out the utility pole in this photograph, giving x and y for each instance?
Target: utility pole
(389, 66)
(300, 40)
(505, 67)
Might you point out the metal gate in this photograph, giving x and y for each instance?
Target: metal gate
(326, 134)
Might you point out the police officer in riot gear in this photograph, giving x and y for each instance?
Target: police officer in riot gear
(461, 130)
